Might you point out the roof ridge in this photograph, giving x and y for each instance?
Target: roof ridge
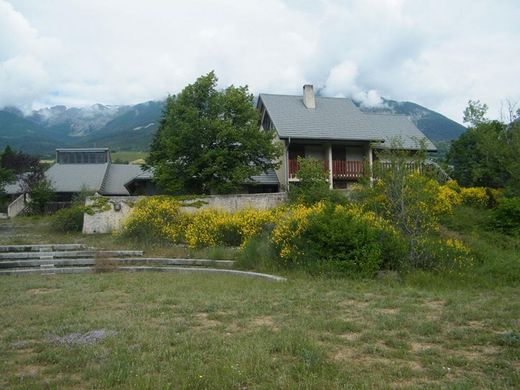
(385, 113)
(103, 182)
(301, 96)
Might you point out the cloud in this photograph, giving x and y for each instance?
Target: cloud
(436, 53)
(343, 82)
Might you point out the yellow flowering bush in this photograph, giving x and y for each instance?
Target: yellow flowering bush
(337, 238)
(474, 196)
(207, 226)
(450, 255)
(252, 222)
(447, 198)
(289, 226)
(156, 217)
(210, 227)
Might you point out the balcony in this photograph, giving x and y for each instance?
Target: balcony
(341, 169)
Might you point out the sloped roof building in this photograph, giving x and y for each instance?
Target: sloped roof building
(335, 131)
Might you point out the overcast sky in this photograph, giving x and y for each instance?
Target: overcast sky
(436, 53)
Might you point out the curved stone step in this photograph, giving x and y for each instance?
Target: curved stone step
(131, 260)
(66, 254)
(41, 247)
(71, 270)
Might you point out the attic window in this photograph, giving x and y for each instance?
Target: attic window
(81, 157)
(267, 124)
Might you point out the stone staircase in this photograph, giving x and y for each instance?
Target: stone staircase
(78, 258)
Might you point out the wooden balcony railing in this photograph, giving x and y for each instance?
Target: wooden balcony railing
(341, 169)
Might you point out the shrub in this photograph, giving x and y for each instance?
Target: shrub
(506, 216)
(42, 192)
(258, 254)
(338, 239)
(211, 227)
(475, 196)
(157, 218)
(314, 185)
(289, 227)
(447, 198)
(449, 255)
(68, 219)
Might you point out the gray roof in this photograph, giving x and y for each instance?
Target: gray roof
(76, 177)
(82, 149)
(14, 187)
(117, 176)
(268, 177)
(106, 179)
(335, 119)
(398, 128)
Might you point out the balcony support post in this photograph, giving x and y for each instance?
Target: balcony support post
(329, 155)
(371, 164)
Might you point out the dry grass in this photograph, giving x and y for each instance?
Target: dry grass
(201, 331)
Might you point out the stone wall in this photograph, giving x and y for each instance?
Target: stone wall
(121, 206)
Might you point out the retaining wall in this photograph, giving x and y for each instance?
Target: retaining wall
(121, 206)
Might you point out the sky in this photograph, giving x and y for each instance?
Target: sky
(438, 53)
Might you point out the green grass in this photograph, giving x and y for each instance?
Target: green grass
(497, 255)
(128, 156)
(200, 331)
(422, 330)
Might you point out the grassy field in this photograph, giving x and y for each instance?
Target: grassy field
(199, 331)
(128, 156)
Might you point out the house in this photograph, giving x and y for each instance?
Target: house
(333, 130)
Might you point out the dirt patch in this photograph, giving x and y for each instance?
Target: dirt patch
(388, 310)
(344, 354)
(89, 338)
(352, 304)
(350, 336)
(419, 347)
(21, 344)
(435, 309)
(265, 321)
(41, 291)
(477, 325)
(29, 372)
(204, 322)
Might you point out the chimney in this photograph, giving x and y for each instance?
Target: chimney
(308, 96)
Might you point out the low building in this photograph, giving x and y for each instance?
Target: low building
(91, 170)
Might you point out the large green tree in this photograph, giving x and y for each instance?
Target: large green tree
(208, 140)
(487, 154)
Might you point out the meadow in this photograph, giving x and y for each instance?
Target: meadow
(418, 329)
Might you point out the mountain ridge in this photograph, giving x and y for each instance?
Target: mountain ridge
(131, 127)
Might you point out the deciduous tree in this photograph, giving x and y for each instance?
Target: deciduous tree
(208, 140)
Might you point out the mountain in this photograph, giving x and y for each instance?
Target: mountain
(117, 127)
(131, 130)
(24, 134)
(131, 127)
(434, 125)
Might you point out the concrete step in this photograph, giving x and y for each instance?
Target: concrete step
(70, 270)
(66, 254)
(116, 261)
(41, 247)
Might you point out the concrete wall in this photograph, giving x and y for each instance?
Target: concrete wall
(121, 207)
(110, 220)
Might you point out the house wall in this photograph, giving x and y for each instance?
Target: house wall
(111, 220)
(281, 172)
